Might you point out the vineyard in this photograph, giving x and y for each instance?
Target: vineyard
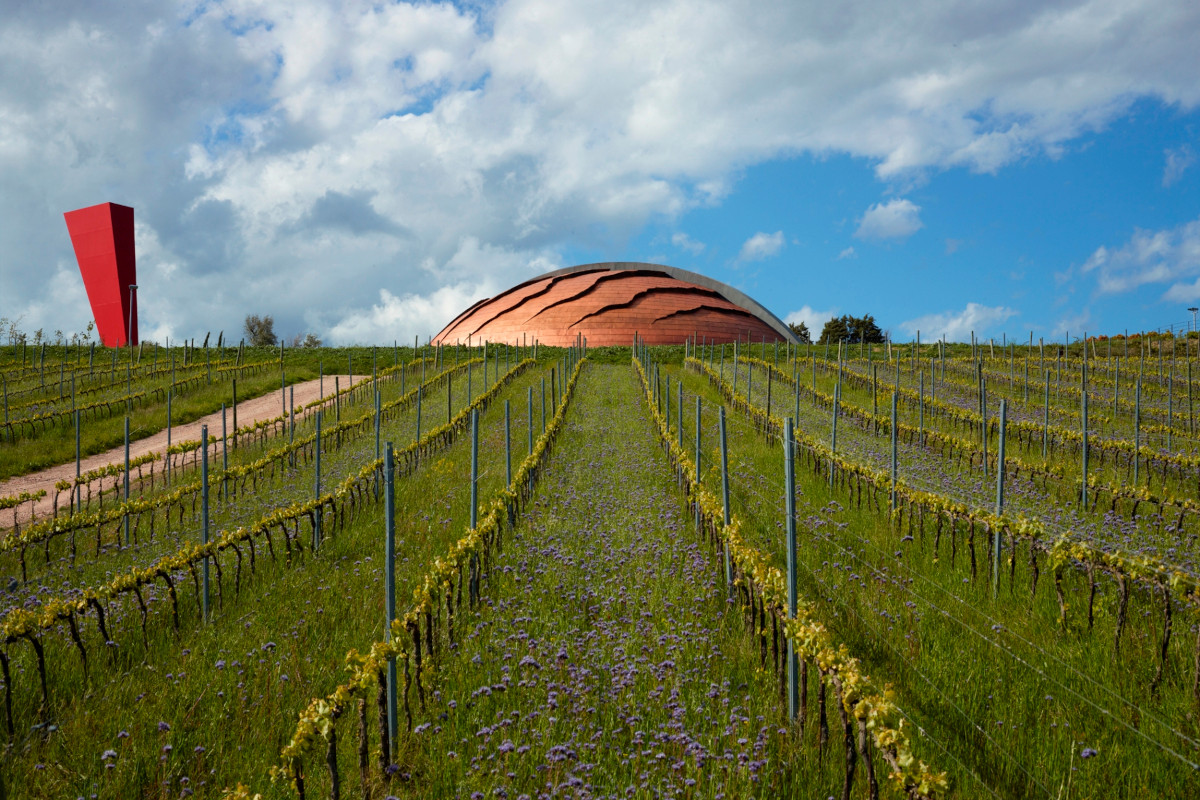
(748, 570)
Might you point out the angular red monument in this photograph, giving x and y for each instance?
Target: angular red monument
(103, 239)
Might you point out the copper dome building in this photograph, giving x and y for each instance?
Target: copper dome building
(607, 303)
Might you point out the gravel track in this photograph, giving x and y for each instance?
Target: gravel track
(248, 412)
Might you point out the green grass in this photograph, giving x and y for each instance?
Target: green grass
(56, 445)
(296, 619)
(605, 659)
(606, 568)
(281, 486)
(979, 692)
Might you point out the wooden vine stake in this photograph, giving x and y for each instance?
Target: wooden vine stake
(316, 537)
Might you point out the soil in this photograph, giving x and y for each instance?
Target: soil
(248, 412)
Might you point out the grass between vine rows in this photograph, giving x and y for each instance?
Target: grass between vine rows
(55, 567)
(1011, 701)
(56, 445)
(211, 705)
(605, 660)
(1009, 698)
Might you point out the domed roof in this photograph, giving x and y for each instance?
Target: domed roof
(607, 303)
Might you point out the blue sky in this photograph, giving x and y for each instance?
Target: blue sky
(365, 170)
(1016, 238)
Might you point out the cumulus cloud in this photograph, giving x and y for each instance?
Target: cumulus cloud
(1162, 256)
(401, 318)
(685, 242)
(847, 253)
(1183, 292)
(956, 326)
(761, 245)
(334, 150)
(814, 319)
(895, 219)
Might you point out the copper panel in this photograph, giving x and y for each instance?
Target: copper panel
(607, 307)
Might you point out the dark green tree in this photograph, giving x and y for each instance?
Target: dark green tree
(864, 329)
(835, 330)
(801, 331)
(851, 330)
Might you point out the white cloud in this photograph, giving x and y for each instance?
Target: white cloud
(401, 318)
(478, 271)
(685, 242)
(894, 219)
(956, 326)
(814, 319)
(1183, 292)
(1163, 256)
(334, 150)
(847, 253)
(1179, 159)
(761, 245)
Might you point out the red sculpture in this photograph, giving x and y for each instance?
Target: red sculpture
(103, 239)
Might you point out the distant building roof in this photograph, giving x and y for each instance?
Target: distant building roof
(608, 302)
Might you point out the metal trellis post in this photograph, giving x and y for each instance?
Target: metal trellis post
(389, 562)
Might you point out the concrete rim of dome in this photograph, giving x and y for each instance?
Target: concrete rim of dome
(731, 294)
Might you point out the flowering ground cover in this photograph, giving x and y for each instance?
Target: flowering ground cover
(605, 660)
(228, 691)
(595, 651)
(202, 380)
(40, 430)
(1008, 688)
(74, 561)
(1171, 536)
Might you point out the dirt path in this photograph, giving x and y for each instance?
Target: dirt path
(248, 412)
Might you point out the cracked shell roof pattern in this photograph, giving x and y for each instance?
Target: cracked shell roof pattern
(606, 306)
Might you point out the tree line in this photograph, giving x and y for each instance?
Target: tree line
(845, 328)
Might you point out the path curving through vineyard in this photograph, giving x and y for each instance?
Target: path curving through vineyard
(249, 412)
